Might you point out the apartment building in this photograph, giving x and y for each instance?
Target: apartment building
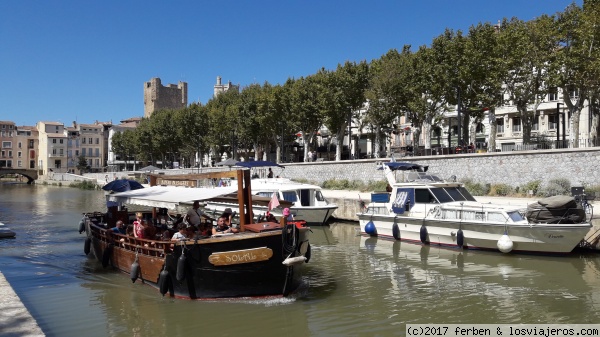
(52, 147)
(7, 133)
(26, 147)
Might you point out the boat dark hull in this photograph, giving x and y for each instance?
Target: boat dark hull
(247, 264)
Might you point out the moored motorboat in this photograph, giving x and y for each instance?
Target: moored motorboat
(306, 201)
(423, 208)
(263, 259)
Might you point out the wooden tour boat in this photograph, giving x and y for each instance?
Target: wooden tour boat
(263, 259)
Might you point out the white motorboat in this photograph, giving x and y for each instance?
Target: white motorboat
(307, 201)
(423, 208)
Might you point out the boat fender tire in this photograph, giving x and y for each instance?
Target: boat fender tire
(81, 226)
(106, 255)
(171, 287)
(181, 268)
(87, 245)
(371, 229)
(423, 234)
(396, 231)
(134, 271)
(163, 282)
(460, 238)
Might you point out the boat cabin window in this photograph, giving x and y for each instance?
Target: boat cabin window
(455, 193)
(441, 195)
(265, 194)
(496, 216)
(466, 194)
(515, 216)
(424, 196)
(290, 196)
(319, 196)
(304, 197)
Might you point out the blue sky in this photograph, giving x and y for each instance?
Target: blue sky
(88, 60)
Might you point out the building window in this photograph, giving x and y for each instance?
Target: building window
(90, 141)
(54, 141)
(77, 153)
(535, 124)
(19, 164)
(61, 141)
(9, 154)
(573, 92)
(61, 152)
(83, 151)
(19, 144)
(83, 140)
(553, 94)
(32, 164)
(54, 152)
(6, 145)
(500, 125)
(9, 163)
(97, 162)
(97, 141)
(97, 152)
(19, 154)
(2, 154)
(30, 144)
(551, 122)
(516, 127)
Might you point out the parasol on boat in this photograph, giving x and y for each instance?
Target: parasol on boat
(122, 185)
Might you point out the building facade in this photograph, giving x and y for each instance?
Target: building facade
(157, 96)
(52, 148)
(219, 87)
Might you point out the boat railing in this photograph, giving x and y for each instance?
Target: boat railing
(148, 247)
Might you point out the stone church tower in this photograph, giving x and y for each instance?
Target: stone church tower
(157, 96)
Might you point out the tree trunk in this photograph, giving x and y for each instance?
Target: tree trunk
(427, 132)
(493, 130)
(377, 153)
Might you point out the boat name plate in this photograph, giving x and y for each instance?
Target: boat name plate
(240, 256)
(167, 182)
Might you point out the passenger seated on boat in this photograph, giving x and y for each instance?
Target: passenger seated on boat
(221, 227)
(119, 229)
(181, 234)
(270, 217)
(129, 230)
(148, 230)
(228, 214)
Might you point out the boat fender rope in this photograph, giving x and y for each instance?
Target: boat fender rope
(181, 267)
(87, 245)
(396, 231)
(134, 272)
(423, 234)
(106, 255)
(370, 228)
(460, 238)
(163, 281)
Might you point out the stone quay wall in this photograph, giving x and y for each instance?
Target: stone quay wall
(579, 166)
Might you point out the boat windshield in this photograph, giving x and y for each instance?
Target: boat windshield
(441, 195)
(290, 196)
(319, 196)
(515, 216)
(449, 194)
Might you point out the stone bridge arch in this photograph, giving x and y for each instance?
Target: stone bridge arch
(31, 174)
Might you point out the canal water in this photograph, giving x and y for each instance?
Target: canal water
(354, 286)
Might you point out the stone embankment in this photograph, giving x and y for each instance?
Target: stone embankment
(15, 319)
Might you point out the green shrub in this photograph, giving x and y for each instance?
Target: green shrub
(531, 186)
(559, 186)
(476, 188)
(354, 185)
(85, 185)
(501, 190)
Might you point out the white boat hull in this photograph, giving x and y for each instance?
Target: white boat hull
(313, 215)
(534, 237)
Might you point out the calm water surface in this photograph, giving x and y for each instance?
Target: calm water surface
(354, 286)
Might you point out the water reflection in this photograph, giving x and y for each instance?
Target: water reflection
(507, 287)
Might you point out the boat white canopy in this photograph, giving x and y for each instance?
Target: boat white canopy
(168, 196)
